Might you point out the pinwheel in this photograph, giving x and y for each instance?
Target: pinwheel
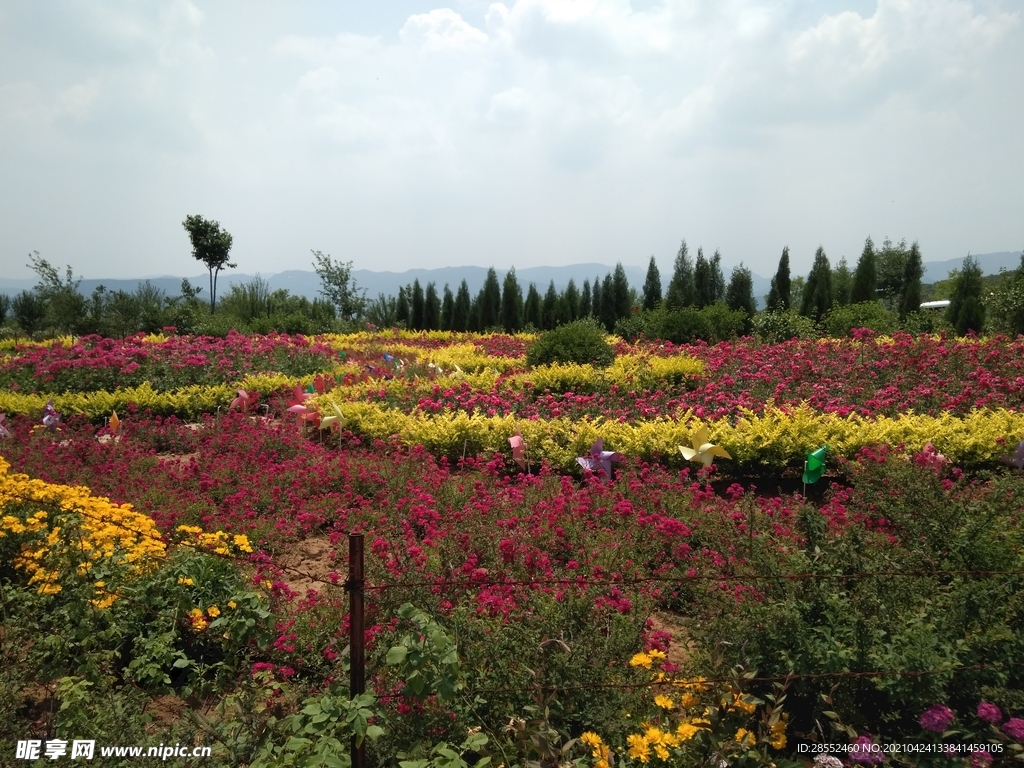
(388, 358)
(4, 432)
(518, 449)
(599, 459)
(299, 407)
(931, 457)
(814, 467)
(114, 423)
(333, 419)
(50, 416)
(703, 449)
(244, 400)
(1017, 460)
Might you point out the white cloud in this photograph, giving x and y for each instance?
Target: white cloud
(440, 30)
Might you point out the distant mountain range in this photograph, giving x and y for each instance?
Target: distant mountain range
(305, 283)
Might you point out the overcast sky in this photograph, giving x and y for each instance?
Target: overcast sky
(408, 133)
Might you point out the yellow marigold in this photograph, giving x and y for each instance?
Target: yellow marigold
(639, 749)
(686, 731)
(743, 706)
(654, 653)
(744, 737)
(213, 610)
(641, 660)
(186, 581)
(591, 739)
(778, 734)
(664, 702)
(242, 542)
(199, 622)
(232, 604)
(688, 700)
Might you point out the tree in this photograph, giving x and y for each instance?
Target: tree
(680, 287)
(585, 305)
(532, 314)
(65, 305)
(818, 294)
(890, 266)
(5, 307)
(490, 301)
(965, 311)
(913, 271)
(779, 296)
(403, 316)
(338, 286)
(382, 311)
(842, 283)
(740, 293)
(462, 309)
(571, 296)
(211, 245)
(620, 293)
(431, 309)
(596, 299)
(447, 307)
(511, 303)
(416, 318)
(609, 312)
(549, 319)
(652, 286)
(865, 278)
(28, 310)
(717, 279)
(1006, 304)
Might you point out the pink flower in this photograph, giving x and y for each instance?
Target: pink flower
(937, 719)
(1014, 728)
(989, 712)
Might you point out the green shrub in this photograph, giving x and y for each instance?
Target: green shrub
(841, 320)
(684, 326)
(771, 327)
(579, 342)
(724, 323)
(644, 324)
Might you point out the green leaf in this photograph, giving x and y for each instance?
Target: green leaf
(396, 655)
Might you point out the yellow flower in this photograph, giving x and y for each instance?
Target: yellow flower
(688, 700)
(213, 610)
(744, 737)
(664, 702)
(686, 731)
(778, 734)
(591, 739)
(654, 653)
(232, 604)
(743, 706)
(199, 622)
(638, 748)
(641, 660)
(185, 580)
(242, 542)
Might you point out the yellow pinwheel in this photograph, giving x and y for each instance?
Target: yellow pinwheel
(333, 418)
(702, 450)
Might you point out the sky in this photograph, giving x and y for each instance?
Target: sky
(411, 133)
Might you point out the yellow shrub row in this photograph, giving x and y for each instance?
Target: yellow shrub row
(776, 438)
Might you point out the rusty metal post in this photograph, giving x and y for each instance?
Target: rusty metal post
(357, 667)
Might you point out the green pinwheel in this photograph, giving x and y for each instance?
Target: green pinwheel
(814, 467)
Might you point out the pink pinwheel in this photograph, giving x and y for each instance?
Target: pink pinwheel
(4, 432)
(50, 416)
(599, 459)
(298, 406)
(518, 449)
(244, 400)
(1017, 460)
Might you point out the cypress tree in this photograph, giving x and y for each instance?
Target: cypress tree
(620, 290)
(680, 287)
(572, 301)
(740, 293)
(842, 282)
(652, 286)
(447, 307)
(461, 309)
(585, 308)
(779, 297)
(608, 311)
(865, 276)
(548, 316)
(531, 308)
(702, 280)
(596, 299)
(717, 279)
(511, 303)
(474, 313)
(431, 309)
(417, 306)
(818, 295)
(966, 312)
(490, 301)
(402, 308)
(910, 301)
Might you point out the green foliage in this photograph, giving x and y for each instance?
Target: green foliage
(865, 278)
(620, 293)
(681, 289)
(28, 310)
(338, 286)
(739, 296)
(842, 282)
(490, 301)
(511, 303)
(1005, 305)
(771, 327)
(582, 341)
(910, 299)
(966, 312)
(210, 245)
(779, 295)
(652, 286)
(818, 294)
(683, 326)
(840, 320)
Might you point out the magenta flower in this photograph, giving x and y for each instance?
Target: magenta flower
(865, 750)
(1014, 728)
(937, 718)
(989, 712)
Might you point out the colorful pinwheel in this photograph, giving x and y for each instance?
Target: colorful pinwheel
(114, 424)
(51, 419)
(336, 419)
(4, 432)
(599, 459)
(244, 400)
(1017, 460)
(518, 449)
(703, 449)
(814, 468)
